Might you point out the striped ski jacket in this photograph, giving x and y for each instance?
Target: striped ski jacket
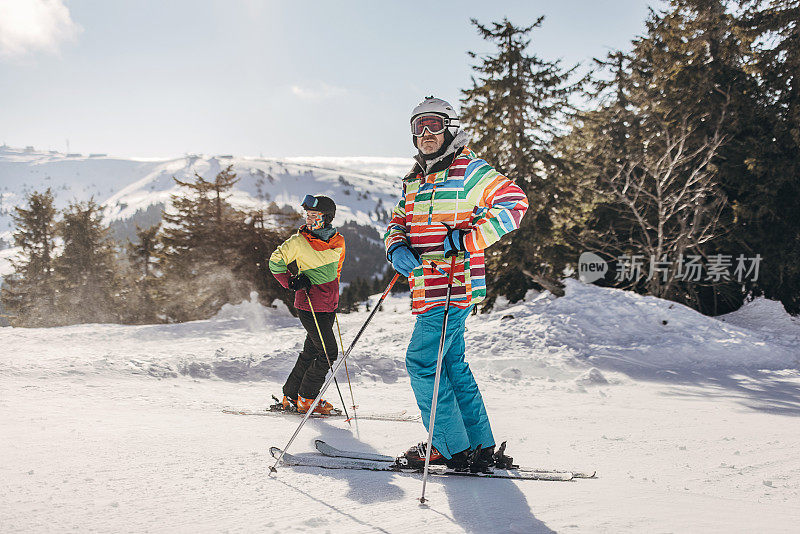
(470, 195)
(321, 261)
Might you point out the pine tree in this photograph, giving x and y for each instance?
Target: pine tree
(199, 244)
(768, 206)
(28, 294)
(86, 272)
(516, 108)
(144, 299)
(198, 222)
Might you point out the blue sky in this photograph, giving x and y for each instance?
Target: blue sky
(288, 78)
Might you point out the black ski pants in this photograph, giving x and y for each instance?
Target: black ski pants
(311, 367)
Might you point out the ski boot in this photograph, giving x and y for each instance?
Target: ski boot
(501, 461)
(414, 458)
(323, 407)
(483, 459)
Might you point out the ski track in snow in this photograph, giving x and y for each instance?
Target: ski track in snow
(692, 426)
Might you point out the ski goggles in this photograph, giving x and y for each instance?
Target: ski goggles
(432, 122)
(309, 202)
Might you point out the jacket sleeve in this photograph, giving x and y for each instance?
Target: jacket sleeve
(283, 256)
(501, 204)
(396, 232)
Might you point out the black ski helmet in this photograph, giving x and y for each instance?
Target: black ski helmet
(322, 204)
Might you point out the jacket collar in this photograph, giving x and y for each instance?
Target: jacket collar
(324, 234)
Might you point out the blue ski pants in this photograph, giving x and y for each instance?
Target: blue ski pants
(461, 419)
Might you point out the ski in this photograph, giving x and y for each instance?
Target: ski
(396, 416)
(331, 451)
(330, 462)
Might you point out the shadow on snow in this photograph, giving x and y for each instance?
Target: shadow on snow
(475, 505)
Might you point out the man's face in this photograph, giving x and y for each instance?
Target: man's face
(429, 143)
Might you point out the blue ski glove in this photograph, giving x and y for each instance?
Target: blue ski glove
(453, 242)
(404, 260)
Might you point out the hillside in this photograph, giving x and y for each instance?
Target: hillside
(134, 191)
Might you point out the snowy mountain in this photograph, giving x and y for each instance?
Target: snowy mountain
(690, 422)
(133, 191)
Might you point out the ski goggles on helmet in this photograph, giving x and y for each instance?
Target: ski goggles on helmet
(432, 122)
(309, 202)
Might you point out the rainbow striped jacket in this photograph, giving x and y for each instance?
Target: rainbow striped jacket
(320, 260)
(471, 195)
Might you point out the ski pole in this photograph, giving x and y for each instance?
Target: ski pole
(325, 350)
(333, 373)
(347, 374)
(432, 419)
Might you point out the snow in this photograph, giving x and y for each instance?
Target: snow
(691, 425)
(6, 255)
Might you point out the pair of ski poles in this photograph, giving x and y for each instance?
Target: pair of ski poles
(333, 374)
(435, 398)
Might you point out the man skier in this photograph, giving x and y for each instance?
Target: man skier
(453, 203)
(318, 250)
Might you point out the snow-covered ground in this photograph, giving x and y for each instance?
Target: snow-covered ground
(690, 421)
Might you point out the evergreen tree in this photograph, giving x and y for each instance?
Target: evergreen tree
(768, 206)
(144, 300)
(515, 109)
(86, 272)
(198, 241)
(198, 222)
(28, 294)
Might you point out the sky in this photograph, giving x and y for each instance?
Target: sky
(151, 78)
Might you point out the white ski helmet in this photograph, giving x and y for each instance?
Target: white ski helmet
(439, 107)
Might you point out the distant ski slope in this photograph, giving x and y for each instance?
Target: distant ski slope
(361, 186)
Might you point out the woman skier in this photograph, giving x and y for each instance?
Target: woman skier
(318, 251)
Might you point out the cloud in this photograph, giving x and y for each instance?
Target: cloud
(30, 26)
(321, 92)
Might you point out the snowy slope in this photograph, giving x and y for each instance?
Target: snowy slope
(362, 187)
(692, 424)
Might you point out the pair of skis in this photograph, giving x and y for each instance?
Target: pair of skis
(332, 458)
(278, 409)
(389, 416)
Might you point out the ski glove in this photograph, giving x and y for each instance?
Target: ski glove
(404, 260)
(453, 242)
(299, 281)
